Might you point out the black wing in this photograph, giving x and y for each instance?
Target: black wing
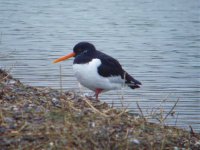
(109, 66)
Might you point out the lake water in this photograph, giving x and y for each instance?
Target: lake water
(156, 41)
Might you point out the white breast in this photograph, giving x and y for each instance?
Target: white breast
(88, 76)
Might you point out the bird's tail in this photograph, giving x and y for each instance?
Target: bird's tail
(131, 82)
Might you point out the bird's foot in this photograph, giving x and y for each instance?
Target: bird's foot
(97, 92)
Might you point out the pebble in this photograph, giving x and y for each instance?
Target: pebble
(91, 124)
(2, 129)
(9, 120)
(135, 141)
(14, 108)
(56, 102)
(11, 81)
(43, 100)
(51, 144)
(176, 148)
(46, 90)
(16, 98)
(29, 107)
(39, 109)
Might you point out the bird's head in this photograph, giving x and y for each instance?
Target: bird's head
(79, 49)
(83, 47)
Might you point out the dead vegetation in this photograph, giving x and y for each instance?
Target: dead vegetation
(43, 118)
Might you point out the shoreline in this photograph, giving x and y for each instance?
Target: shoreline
(44, 118)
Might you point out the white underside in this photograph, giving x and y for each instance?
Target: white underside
(88, 76)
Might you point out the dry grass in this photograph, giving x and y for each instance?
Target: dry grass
(42, 118)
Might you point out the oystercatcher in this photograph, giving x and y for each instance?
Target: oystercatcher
(97, 71)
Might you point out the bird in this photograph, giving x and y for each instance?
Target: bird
(98, 71)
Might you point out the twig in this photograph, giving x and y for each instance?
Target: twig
(4, 78)
(71, 105)
(123, 111)
(127, 132)
(22, 127)
(171, 110)
(8, 73)
(112, 104)
(61, 79)
(140, 111)
(159, 106)
(9, 70)
(191, 130)
(122, 91)
(176, 119)
(96, 110)
(163, 142)
(122, 97)
(1, 117)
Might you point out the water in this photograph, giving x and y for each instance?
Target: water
(156, 41)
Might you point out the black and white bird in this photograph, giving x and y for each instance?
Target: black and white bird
(97, 71)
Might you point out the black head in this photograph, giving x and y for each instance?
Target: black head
(83, 48)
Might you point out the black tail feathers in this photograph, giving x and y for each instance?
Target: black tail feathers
(131, 82)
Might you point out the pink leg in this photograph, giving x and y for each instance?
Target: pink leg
(97, 92)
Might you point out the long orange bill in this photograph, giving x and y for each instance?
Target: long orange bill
(64, 57)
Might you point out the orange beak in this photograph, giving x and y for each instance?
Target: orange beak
(64, 57)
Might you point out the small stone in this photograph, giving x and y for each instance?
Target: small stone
(43, 100)
(17, 115)
(56, 102)
(9, 120)
(8, 98)
(39, 109)
(13, 126)
(14, 108)
(176, 148)
(134, 140)
(91, 124)
(31, 105)
(197, 143)
(12, 81)
(51, 144)
(55, 94)
(2, 129)
(46, 90)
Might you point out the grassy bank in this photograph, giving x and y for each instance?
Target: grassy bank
(43, 118)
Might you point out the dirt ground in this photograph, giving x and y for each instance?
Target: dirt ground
(43, 118)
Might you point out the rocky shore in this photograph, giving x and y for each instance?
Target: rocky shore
(44, 118)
